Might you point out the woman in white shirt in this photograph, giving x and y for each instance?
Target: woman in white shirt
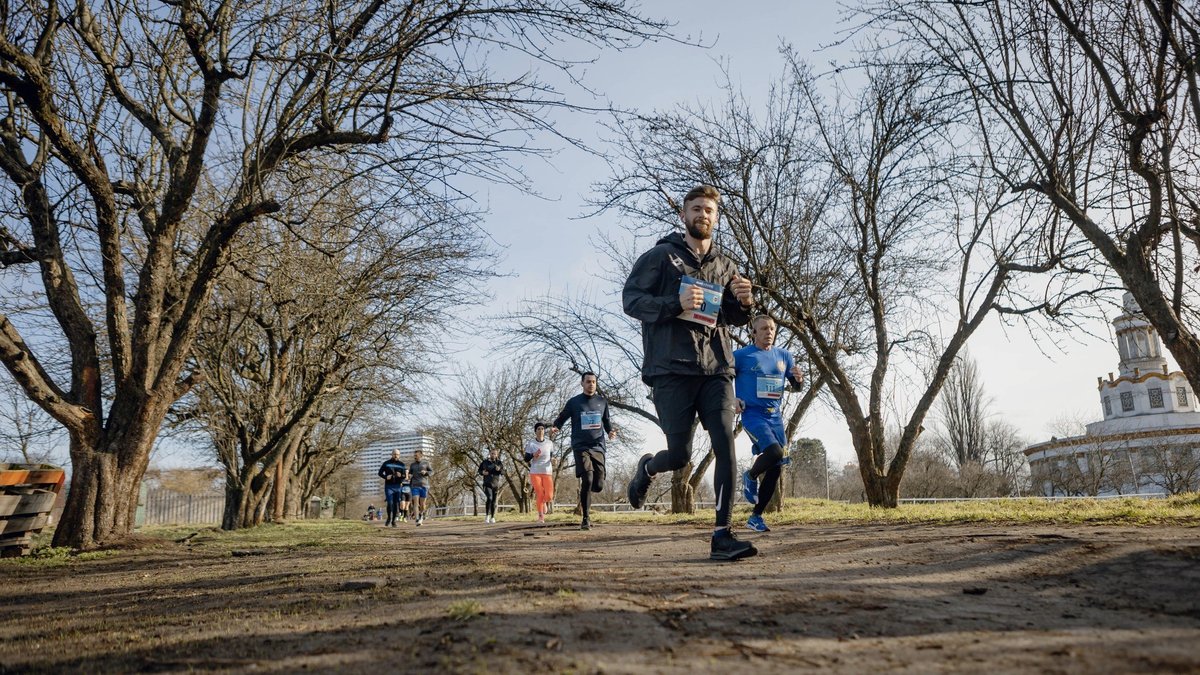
(540, 455)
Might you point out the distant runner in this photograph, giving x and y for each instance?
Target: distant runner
(419, 470)
(405, 497)
(393, 472)
(491, 470)
(540, 454)
(762, 370)
(588, 413)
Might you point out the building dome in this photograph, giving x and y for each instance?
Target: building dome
(1147, 410)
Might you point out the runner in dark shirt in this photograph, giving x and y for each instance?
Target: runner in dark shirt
(491, 469)
(588, 413)
(393, 472)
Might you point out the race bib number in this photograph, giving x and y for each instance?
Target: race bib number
(706, 314)
(589, 420)
(770, 387)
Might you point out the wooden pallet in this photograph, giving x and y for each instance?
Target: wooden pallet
(27, 496)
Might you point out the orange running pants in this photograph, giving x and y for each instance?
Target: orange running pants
(543, 488)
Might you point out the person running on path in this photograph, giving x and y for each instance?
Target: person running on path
(588, 413)
(393, 472)
(687, 293)
(491, 469)
(419, 470)
(539, 452)
(762, 369)
(405, 497)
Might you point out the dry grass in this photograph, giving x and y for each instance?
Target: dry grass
(1177, 510)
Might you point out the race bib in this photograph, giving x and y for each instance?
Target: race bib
(770, 387)
(589, 420)
(706, 314)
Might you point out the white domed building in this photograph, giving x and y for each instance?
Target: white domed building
(1149, 439)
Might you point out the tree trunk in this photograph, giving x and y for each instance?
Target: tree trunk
(105, 480)
(102, 503)
(282, 482)
(246, 500)
(879, 490)
(292, 505)
(1177, 337)
(776, 503)
(683, 497)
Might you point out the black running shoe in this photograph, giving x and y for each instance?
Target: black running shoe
(586, 524)
(640, 485)
(725, 546)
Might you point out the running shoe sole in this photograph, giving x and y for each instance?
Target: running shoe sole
(638, 497)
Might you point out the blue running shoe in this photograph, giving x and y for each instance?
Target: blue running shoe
(757, 524)
(749, 488)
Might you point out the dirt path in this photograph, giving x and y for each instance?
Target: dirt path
(467, 597)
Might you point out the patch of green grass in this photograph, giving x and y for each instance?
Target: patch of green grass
(298, 533)
(56, 556)
(464, 610)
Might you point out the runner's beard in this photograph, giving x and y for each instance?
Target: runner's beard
(699, 230)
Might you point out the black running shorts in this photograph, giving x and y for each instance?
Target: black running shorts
(589, 459)
(678, 399)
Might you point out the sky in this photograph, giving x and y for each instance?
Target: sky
(546, 243)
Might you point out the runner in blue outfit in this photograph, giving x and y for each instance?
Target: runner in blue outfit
(762, 370)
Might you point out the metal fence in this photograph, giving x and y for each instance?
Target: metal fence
(166, 507)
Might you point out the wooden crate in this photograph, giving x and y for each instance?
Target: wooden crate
(27, 496)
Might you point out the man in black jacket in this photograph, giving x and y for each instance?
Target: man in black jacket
(588, 413)
(393, 472)
(687, 294)
(491, 470)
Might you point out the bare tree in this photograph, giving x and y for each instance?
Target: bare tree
(497, 409)
(138, 142)
(346, 426)
(27, 433)
(929, 476)
(348, 303)
(1174, 468)
(1004, 457)
(962, 413)
(870, 234)
(1090, 110)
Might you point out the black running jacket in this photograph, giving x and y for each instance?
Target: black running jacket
(673, 346)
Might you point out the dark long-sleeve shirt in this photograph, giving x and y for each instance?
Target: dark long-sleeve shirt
(672, 345)
(491, 470)
(589, 421)
(392, 472)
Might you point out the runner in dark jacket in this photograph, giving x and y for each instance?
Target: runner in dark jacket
(393, 472)
(491, 469)
(687, 294)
